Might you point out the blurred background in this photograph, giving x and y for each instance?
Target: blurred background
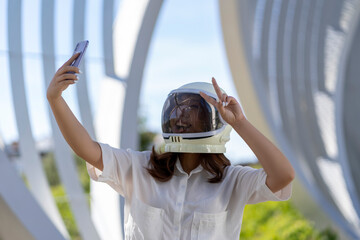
(291, 64)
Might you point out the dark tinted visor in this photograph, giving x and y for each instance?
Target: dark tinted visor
(189, 113)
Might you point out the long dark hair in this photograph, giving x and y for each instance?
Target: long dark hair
(162, 166)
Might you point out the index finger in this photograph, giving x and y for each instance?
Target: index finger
(208, 98)
(73, 57)
(217, 89)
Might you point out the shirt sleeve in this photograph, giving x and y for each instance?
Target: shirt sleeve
(252, 182)
(117, 168)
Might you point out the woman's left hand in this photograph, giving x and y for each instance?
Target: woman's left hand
(228, 107)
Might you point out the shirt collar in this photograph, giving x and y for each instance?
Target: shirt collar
(181, 170)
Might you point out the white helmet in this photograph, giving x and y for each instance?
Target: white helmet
(192, 125)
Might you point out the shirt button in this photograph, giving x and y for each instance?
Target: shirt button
(178, 204)
(182, 186)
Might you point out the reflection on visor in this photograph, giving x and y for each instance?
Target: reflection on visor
(189, 113)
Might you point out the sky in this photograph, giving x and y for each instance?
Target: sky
(187, 46)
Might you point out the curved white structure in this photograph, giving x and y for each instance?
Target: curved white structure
(32, 162)
(120, 89)
(18, 208)
(297, 59)
(132, 35)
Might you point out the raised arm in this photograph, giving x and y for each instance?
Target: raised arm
(72, 130)
(277, 167)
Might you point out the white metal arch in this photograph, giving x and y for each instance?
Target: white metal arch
(133, 29)
(31, 159)
(304, 78)
(63, 155)
(139, 31)
(18, 208)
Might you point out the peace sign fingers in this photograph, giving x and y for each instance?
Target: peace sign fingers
(218, 91)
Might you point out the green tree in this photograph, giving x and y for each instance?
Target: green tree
(278, 221)
(50, 169)
(146, 137)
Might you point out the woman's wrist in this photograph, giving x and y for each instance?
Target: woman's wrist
(53, 99)
(239, 124)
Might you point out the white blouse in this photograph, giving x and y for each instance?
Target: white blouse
(186, 206)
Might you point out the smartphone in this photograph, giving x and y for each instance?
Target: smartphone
(80, 47)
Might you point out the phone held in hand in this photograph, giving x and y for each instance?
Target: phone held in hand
(80, 47)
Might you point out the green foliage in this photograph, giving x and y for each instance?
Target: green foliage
(59, 192)
(53, 176)
(277, 221)
(50, 169)
(83, 174)
(65, 211)
(146, 140)
(146, 136)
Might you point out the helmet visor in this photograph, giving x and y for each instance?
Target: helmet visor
(189, 114)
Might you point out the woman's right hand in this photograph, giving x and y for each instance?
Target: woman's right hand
(62, 79)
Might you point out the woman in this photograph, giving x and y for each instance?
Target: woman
(187, 189)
